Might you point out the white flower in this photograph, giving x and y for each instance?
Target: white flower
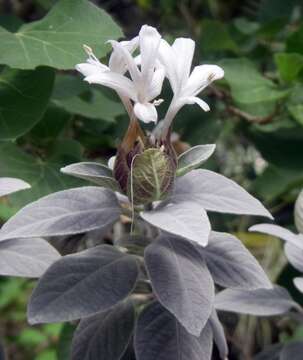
(177, 60)
(144, 85)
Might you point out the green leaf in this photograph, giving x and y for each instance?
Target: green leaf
(65, 339)
(44, 176)
(297, 112)
(215, 36)
(248, 85)
(57, 39)
(289, 65)
(98, 107)
(294, 43)
(24, 97)
(67, 86)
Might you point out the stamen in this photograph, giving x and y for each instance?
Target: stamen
(158, 102)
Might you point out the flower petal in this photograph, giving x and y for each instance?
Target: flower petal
(184, 51)
(156, 83)
(195, 100)
(117, 61)
(88, 69)
(167, 58)
(115, 81)
(146, 112)
(111, 162)
(201, 77)
(149, 44)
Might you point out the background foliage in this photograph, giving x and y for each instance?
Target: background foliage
(49, 118)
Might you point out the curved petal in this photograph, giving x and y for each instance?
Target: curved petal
(146, 112)
(184, 50)
(115, 81)
(117, 61)
(88, 68)
(149, 39)
(111, 162)
(298, 281)
(167, 58)
(155, 85)
(195, 100)
(201, 77)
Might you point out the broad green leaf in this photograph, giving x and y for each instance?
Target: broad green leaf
(297, 112)
(289, 65)
(43, 176)
(67, 86)
(97, 107)
(248, 85)
(57, 39)
(23, 99)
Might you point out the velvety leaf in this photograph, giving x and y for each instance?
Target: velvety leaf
(247, 85)
(66, 212)
(219, 335)
(44, 176)
(292, 351)
(194, 157)
(97, 107)
(231, 264)
(299, 213)
(298, 281)
(186, 218)
(294, 255)
(83, 284)
(160, 336)
(24, 98)
(260, 302)
(106, 335)
(280, 232)
(289, 65)
(181, 281)
(215, 192)
(94, 172)
(26, 257)
(11, 185)
(57, 39)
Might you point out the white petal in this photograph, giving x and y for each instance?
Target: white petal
(146, 112)
(149, 43)
(155, 86)
(168, 59)
(88, 69)
(201, 77)
(298, 281)
(115, 81)
(184, 51)
(117, 61)
(195, 100)
(128, 59)
(111, 162)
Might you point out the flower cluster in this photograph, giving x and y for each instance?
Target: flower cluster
(137, 69)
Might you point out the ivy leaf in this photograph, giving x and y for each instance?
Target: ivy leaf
(26, 257)
(83, 284)
(11, 185)
(57, 39)
(181, 281)
(260, 302)
(194, 157)
(24, 98)
(106, 335)
(160, 336)
(66, 212)
(94, 172)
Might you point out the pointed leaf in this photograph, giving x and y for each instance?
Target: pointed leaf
(299, 213)
(57, 39)
(181, 281)
(106, 335)
(186, 219)
(194, 157)
(279, 232)
(215, 192)
(66, 212)
(11, 185)
(231, 264)
(24, 98)
(219, 335)
(94, 172)
(26, 257)
(83, 284)
(260, 302)
(294, 255)
(160, 336)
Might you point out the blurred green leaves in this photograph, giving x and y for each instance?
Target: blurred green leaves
(57, 39)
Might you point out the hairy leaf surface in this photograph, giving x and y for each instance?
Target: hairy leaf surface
(11, 185)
